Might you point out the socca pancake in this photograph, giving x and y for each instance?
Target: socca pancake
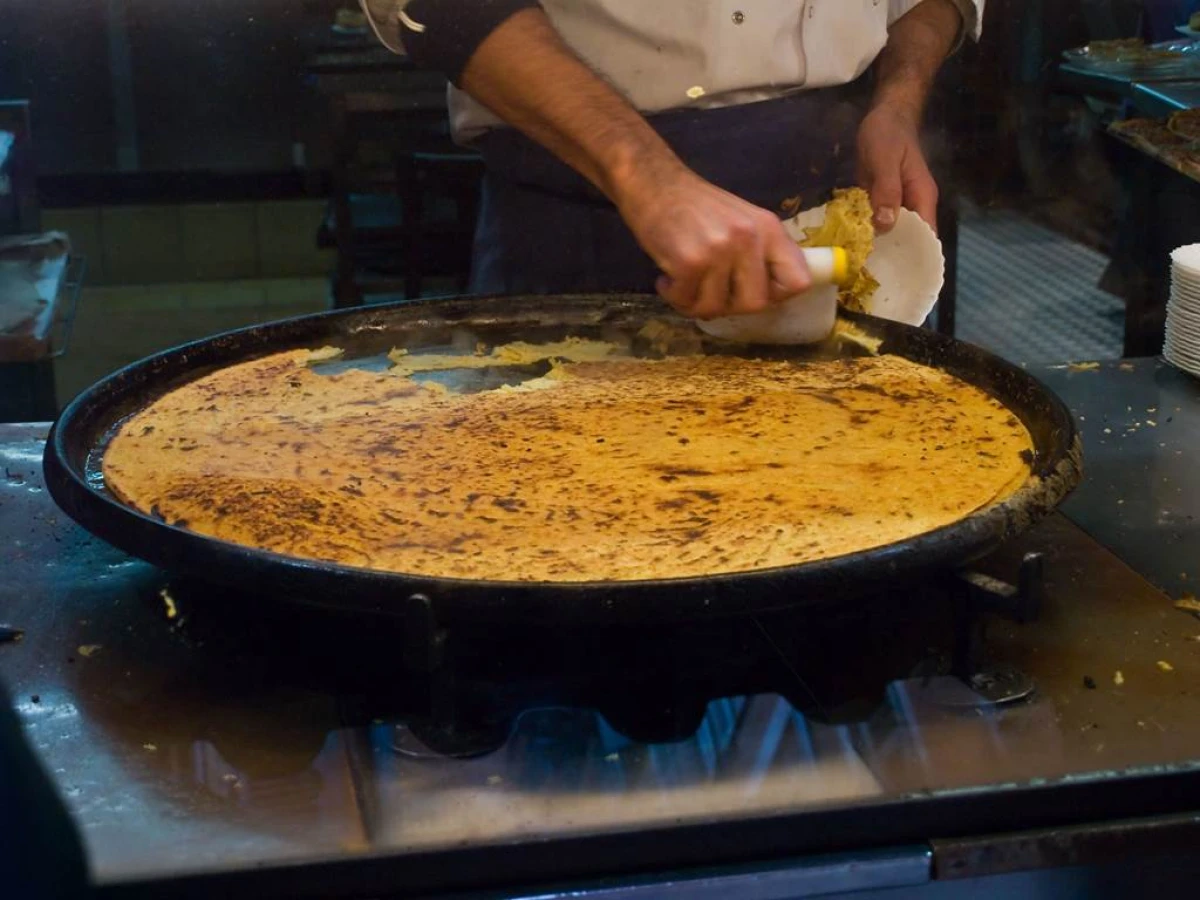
(623, 469)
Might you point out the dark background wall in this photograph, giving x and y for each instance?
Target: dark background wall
(216, 86)
(164, 85)
(56, 53)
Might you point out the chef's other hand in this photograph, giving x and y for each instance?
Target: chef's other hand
(719, 254)
(892, 168)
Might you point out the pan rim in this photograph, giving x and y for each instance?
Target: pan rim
(106, 516)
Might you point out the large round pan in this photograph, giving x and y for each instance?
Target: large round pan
(78, 440)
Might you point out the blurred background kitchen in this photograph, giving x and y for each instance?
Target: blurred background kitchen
(217, 163)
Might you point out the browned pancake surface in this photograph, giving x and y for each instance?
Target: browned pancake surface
(624, 470)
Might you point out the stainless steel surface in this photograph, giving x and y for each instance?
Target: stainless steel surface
(73, 286)
(1099, 619)
(566, 771)
(1165, 97)
(1026, 851)
(57, 281)
(120, 715)
(1086, 80)
(1140, 421)
(822, 877)
(173, 762)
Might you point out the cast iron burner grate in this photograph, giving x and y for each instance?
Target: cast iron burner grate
(458, 691)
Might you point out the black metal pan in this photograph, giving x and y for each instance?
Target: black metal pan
(78, 439)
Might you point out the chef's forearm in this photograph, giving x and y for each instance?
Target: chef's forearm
(527, 76)
(918, 44)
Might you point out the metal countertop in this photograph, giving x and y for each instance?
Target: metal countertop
(180, 759)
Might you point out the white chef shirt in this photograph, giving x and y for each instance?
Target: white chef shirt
(669, 54)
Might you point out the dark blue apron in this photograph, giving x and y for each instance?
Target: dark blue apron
(543, 229)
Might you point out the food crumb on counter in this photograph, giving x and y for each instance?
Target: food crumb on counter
(1165, 666)
(150, 748)
(86, 650)
(1118, 678)
(169, 602)
(1188, 603)
(1083, 366)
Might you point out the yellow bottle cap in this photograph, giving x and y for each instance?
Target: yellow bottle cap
(841, 266)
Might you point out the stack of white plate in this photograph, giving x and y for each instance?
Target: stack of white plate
(1182, 347)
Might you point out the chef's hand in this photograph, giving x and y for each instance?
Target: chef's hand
(892, 168)
(719, 254)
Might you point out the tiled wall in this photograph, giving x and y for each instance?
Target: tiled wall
(118, 324)
(159, 276)
(151, 244)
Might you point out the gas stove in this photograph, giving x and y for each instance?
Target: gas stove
(244, 750)
(459, 692)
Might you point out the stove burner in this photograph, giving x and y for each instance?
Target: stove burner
(1021, 603)
(424, 738)
(662, 717)
(457, 691)
(1001, 686)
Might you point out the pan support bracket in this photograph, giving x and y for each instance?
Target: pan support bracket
(982, 595)
(425, 656)
(446, 730)
(424, 639)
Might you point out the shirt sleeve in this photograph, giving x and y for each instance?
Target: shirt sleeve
(441, 35)
(971, 11)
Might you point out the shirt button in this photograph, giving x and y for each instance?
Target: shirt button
(738, 17)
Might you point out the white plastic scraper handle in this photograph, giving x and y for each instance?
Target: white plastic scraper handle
(827, 265)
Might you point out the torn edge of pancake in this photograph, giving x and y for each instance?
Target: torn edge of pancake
(436, 388)
(515, 353)
(323, 355)
(845, 330)
(543, 383)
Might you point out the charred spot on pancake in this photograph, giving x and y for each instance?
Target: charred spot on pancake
(627, 469)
